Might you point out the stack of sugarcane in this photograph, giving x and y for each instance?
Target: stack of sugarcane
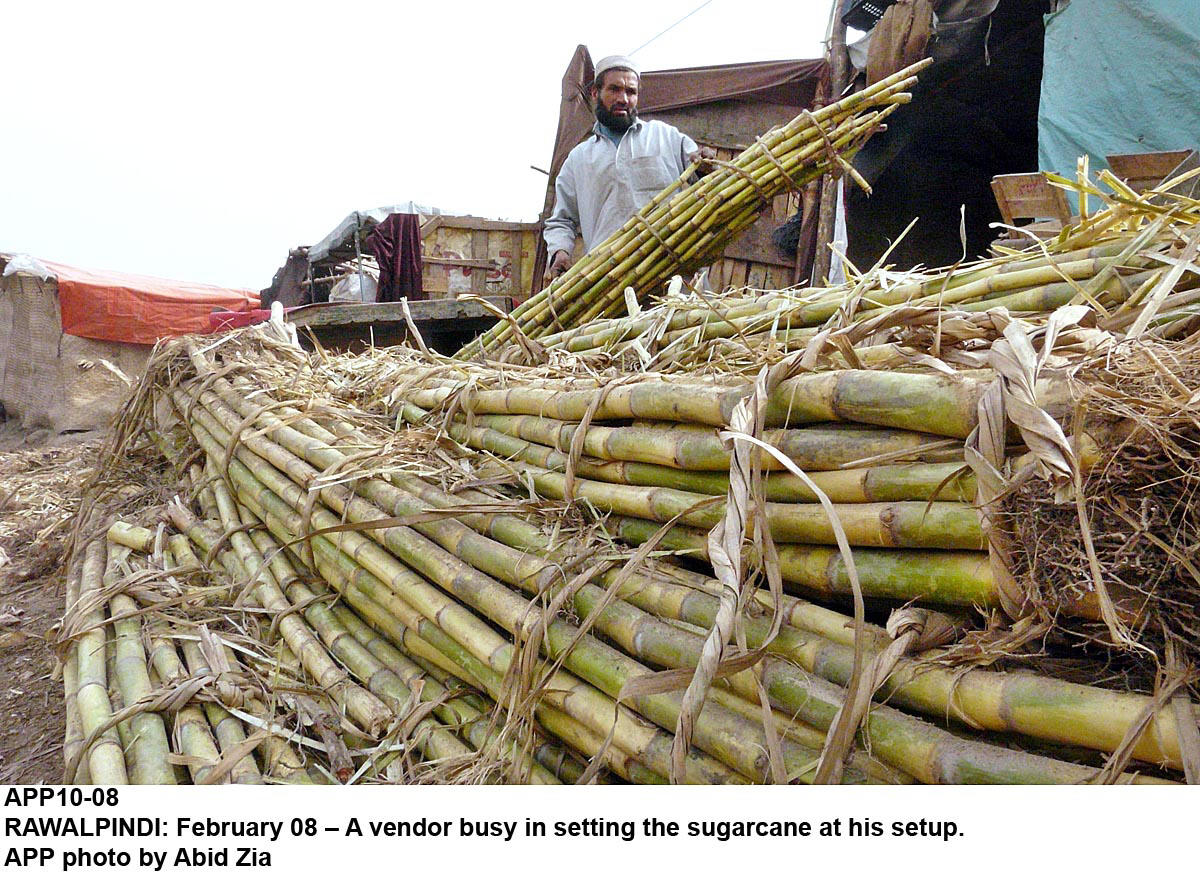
(686, 227)
(448, 569)
(1117, 259)
(150, 693)
(171, 676)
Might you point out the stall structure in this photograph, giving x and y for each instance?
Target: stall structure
(73, 341)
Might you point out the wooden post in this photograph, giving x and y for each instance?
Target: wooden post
(839, 63)
(358, 255)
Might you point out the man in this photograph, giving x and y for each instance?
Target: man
(613, 173)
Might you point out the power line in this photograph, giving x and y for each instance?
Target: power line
(672, 27)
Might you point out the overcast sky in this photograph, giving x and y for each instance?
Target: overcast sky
(201, 141)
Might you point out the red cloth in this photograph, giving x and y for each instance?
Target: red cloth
(396, 245)
(122, 307)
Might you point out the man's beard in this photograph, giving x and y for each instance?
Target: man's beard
(619, 123)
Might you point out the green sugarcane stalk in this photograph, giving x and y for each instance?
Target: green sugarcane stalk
(73, 737)
(891, 482)
(916, 402)
(939, 578)
(106, 758)
(910, 524)
(696, 447)
(227, 730)
(191, 730)
(149, 748)
(139, 539)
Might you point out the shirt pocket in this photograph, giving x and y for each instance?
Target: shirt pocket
(649, 174)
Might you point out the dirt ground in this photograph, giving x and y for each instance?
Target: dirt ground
(39, 477)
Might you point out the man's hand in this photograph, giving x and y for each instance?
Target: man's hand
(560, 261)
(702, 160)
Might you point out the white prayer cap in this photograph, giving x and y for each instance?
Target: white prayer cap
(613, 62)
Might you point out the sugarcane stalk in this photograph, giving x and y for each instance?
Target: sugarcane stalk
(73, 737)
(890, 482)
(227, 730)
(908, 524)
(696, 447)
(139, 539)
(940, 578)
(106, 758)
(149, 748)
(192, 736)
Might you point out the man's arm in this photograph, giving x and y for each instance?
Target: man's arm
(562, 226)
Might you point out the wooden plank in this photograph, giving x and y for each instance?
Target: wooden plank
(430, 225)
(516, 285)
(462, 262)
(756, 245)
(479, 251)
(757, 275)
(470, 222)
(716, 275)
(322, 314)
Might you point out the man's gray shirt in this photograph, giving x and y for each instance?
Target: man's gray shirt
(602, 183)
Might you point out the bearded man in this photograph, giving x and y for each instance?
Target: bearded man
(613, 173)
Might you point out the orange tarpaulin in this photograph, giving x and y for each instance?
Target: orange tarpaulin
(122, 307)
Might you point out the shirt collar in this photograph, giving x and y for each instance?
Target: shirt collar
(596, 127)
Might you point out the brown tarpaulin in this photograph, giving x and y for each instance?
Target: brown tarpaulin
(792, 84)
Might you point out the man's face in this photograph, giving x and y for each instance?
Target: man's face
(616, 99)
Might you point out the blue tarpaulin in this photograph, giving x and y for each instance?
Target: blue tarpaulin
(1119, 76)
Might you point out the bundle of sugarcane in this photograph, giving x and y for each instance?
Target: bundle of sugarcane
(138, 711)
(686, 227)
(1133, 261)
(589, 644)
(155, 695)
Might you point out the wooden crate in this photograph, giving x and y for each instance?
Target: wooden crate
(1150, 169)
(1023, 196)
(467, 255)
